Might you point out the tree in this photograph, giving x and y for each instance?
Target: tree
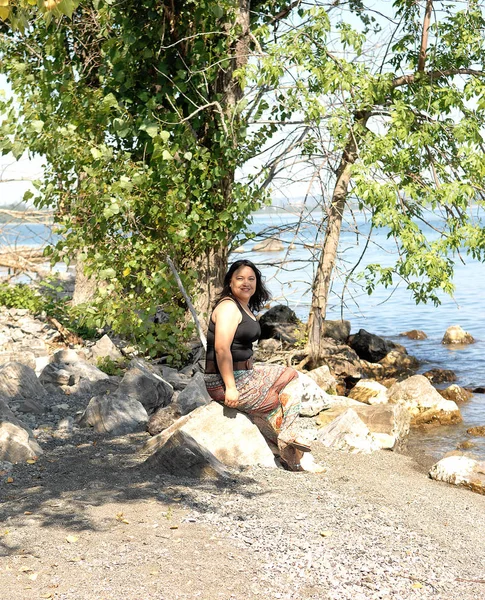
(136, 107)
(397, 121)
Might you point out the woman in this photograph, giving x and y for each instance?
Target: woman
(267, 393)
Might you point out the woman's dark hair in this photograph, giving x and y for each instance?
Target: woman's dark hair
(260, 296)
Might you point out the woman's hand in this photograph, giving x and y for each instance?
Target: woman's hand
(231, 399)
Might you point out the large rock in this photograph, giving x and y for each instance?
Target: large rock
(182, 455)
(456, 393)
(114, 413)
(313, 398)
(348, 432)
(369, 392)
(423, 402)
(456, 335)
(25, 357)
(440, 375)
(269, 245)
(323, 378)
(462, 471)
(104, 348)
(68, 368)
(16, 443)
(226, 433)
(337, 330)
(193, 396)
(19, 382)
(146, 386)
(281, 323)
(163, 418)
(370, 347)
(176, 379)
(388, 424)
(414, 334)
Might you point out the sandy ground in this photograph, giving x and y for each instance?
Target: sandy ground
(88, 521)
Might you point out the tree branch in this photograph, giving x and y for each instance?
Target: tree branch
(409, 79)
(424, 36)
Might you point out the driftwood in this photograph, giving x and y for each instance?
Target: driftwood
(23, 259)
(68, 336)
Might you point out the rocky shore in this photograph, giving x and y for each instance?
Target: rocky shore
(135, 485)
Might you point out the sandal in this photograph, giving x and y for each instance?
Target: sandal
(299, 445)
(294, 467)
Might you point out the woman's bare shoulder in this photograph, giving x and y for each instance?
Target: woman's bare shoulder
(227, 307)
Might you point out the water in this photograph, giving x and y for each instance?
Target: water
(388, 313)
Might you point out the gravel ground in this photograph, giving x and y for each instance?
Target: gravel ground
(88, 521)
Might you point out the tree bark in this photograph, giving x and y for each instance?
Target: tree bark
(211, 269)
(323, 278)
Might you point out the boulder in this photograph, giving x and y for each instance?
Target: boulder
(456, 335)
(26, 358)
(423, 402)
(19, 382)
(456, 393)
(388, 424)
(440, 375)
(461, 471)
(370, 347)
(226, 433)
(163, 418)
(269, 245)
(146, 386)
(348, 432)
(114, 413)
(337, 330)
(175, 378)
(193, 396)
(397, 361)
(281, 323)
(478, 430)
(369, 392)
(182, 455)
(68, 368)
(323, 378)
(414, 334)
(17, 444)
(104, 348)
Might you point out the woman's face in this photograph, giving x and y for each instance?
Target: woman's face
(243, 284)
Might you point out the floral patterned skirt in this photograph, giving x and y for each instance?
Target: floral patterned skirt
(268, 394)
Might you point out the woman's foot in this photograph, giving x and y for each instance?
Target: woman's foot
(305, 463)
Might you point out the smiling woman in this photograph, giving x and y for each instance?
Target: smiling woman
(269, 394)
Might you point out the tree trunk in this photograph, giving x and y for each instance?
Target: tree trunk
(323, 277)
(211, 269)
(212, 266)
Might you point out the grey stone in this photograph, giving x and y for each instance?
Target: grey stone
(114, 413)
(337, 330)
(193, 396)
(19, 382)
(147, 387)
(103, 348)
(16, 445)
(182, 455)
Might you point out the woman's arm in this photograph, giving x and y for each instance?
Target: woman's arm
(227, 317)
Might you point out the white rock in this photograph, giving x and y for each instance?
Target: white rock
(226, 433)
(348, 432)
(369, 392)
(462, 471)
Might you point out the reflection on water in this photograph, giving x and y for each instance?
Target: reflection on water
(388, 313)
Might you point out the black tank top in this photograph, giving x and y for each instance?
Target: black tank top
(247, 332)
